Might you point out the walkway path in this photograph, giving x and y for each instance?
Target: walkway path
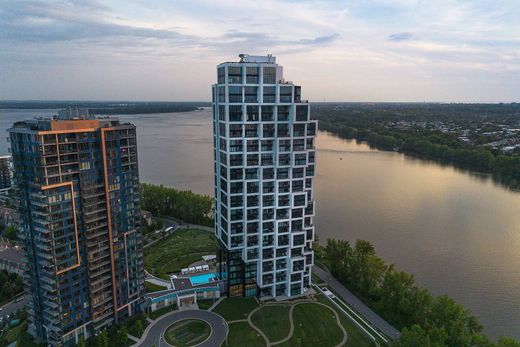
(357, 304)
(154, 333)
(292, 305)
(156, 280)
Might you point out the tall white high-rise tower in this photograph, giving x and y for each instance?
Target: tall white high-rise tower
(264, 147)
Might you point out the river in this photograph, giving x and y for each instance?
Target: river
(456, 231)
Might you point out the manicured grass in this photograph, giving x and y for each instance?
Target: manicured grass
(206, 303)
(242, 334)
(162, 311)
(314, 325)
(355, 336)
(188, 332)
(152, 287)
(235, 308)
(273, 320)
(177, 251)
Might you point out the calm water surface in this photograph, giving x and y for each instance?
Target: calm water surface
(457, 232)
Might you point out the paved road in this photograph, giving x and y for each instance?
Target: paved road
(356, 304)
(12, 307)
(154, 333)
(171, 222)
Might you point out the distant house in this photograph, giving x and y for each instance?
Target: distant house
(9, 216)
(11, 259)
(147, 216)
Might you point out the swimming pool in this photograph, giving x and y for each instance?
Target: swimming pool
(202, 279)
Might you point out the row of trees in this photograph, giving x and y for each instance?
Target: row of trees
(10, 232)
(425, 320)
(433, 145)
(10, 285)
(117, 336)
(182, 204)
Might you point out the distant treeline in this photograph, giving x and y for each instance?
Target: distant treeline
(182, 204)
(424, 320)
(365, 123)
(109, 107)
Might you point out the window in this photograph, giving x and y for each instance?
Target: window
(222, 112)
(221, 94)
(235, 130)
(283, 113)
(285, 94)
(302, 113)
(252, 160)
(251, 174)
(235, 146)
(268, 130)
(235, 113)
(283, 130)
(251, 94)
(237, 201)
(267, 173)
(269, 94)
(252, 113)
(267, 145)
(251, 130)
(298, 130)
(310, 143)
(282, 173)
(297, 94)
(284, 145)
(235, 94)
(235, 74)
(267, 113)
(269, 75)
(300, 159)
(299, 200)
(221, 75)
(267, 159)
(268, 187)
(252, 145)
(298, 145)
(236, 187)
(311, 129)
(284, 159)
(235, 160)
(252, 74)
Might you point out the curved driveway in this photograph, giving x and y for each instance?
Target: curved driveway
(154, 333)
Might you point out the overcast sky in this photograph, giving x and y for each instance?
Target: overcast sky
(357, 50)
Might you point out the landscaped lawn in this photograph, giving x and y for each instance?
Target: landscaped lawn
(273, 320)
(314, 325)
(204, 304)
(162, 311)
(188, 332)
(242, 334)
(177, 251)
(235, 308)
(152, 287)
(355, 336)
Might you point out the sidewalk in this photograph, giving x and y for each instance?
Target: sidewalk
(356, 304)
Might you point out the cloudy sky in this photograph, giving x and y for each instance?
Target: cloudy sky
(357, 50)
